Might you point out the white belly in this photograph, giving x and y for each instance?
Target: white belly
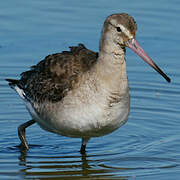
(93, 109)
(80, 119)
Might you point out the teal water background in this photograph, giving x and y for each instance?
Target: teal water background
(147, 146)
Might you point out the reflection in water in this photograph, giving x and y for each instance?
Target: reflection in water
(72, 167)
(89, 166)
(147, 147)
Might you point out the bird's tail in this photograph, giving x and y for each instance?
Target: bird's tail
(13, 82)
(16, 85)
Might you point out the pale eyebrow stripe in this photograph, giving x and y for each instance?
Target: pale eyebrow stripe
(125, 31)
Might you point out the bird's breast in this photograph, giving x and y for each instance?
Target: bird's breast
(86, 111)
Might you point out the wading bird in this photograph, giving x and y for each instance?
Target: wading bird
(81, 93)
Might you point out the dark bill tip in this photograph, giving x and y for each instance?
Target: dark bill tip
(162, 73)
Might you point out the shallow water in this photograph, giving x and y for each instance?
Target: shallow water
(147, 146)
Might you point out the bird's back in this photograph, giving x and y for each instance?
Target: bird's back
(54, 76)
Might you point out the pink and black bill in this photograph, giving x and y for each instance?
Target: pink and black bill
(134, 45)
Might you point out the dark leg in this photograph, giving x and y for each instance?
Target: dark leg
(83, 145)
(22, 135)
(83, 149)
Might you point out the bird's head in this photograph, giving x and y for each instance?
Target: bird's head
(119, 31)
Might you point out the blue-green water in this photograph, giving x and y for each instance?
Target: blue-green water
(147, 146)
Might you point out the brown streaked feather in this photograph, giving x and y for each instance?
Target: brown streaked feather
(53, 77)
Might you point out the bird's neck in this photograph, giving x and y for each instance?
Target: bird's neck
(111, 72)
(112, 64)
(111, 59)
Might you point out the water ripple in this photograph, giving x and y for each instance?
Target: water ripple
(147, 146)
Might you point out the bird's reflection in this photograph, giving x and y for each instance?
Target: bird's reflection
(71, 165)
(22, 157)
(53, 165)
(85, 166)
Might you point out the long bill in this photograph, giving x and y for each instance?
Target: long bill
(134, 45)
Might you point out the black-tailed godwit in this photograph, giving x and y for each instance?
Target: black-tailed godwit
(81, 93)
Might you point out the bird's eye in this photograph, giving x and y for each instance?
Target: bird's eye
(118, 29)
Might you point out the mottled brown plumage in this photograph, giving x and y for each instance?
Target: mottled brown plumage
(54, 76)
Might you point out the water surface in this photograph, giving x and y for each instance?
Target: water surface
(147, 146)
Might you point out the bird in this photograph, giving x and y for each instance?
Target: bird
(80, 93)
